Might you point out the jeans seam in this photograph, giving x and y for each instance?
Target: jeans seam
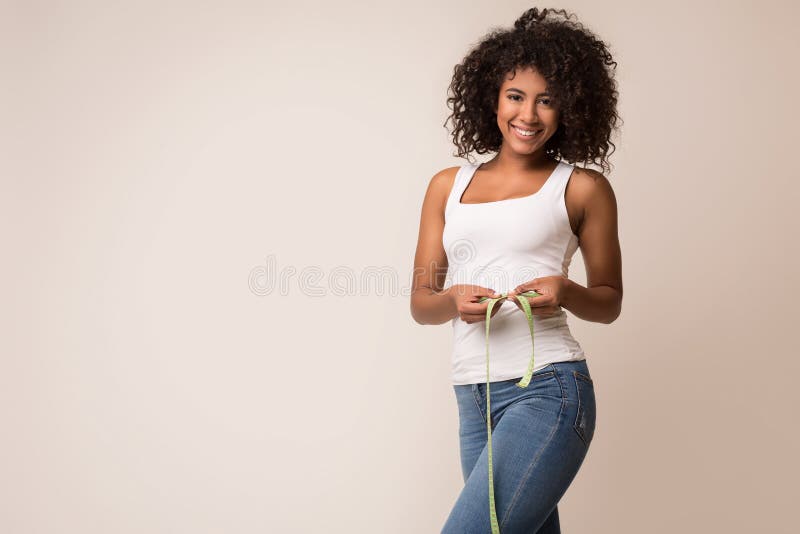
(585, 377)
(478, 404)
(535, 461)
(577, 375)
(578, 415)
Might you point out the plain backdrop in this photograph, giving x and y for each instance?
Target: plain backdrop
(209, 212)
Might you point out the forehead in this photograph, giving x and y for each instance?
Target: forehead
(525, 78)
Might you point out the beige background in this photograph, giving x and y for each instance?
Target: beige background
(156, 155)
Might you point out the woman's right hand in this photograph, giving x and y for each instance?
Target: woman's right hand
(466, 296)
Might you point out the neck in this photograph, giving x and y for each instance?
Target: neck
(514, 162)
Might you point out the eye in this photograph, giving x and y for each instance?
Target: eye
(514, 97)
(545, 101)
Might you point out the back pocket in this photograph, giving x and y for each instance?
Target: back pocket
(585, 418)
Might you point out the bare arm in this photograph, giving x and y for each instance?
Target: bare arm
(429, 304)
(601, 301)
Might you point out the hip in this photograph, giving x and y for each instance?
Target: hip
(561, 392)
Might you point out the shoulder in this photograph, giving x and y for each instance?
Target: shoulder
(589, 186)
(589, 180)
(589, 196)
(444, 179)
(441, 184)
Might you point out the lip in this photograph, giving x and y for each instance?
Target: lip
(526, 138)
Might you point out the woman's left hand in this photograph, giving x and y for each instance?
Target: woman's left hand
(551, 289)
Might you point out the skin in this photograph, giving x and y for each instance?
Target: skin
(520, 168)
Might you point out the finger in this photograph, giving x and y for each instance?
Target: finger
(543, 301)
(527, 286)
(480, 316)
(474, 318)
(482, 311)
(479, 307)
(528, 290)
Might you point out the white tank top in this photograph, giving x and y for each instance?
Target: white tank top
(500, 245)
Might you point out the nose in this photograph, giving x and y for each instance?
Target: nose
(528, 114)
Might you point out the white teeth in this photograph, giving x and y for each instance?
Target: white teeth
(525, 132)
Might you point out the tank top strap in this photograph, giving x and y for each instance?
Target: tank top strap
(462, 179)
(560, 179)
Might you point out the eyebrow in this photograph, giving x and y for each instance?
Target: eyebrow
(523, 92)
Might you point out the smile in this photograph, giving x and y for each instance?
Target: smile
(526, 134)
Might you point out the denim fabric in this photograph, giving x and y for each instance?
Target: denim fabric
(540, 436)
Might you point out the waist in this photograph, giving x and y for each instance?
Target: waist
(510, 344)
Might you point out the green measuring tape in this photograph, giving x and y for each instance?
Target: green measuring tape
(526, 306)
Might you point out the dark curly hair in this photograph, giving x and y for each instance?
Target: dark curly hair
(579, 71)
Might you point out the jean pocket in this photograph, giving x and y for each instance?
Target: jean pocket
(585, 418)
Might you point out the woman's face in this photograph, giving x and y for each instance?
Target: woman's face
(524, 106)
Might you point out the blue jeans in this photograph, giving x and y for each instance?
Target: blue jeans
(540, 436)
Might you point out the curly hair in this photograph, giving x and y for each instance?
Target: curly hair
(579, 71)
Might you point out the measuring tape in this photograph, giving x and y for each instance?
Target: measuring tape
(526, 306)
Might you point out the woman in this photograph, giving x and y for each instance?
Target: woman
(540, 96)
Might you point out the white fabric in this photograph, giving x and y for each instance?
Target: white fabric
(500, 245)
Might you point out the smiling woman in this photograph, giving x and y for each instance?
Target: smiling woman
(542, 97)
(575, 67)
(527, 123)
